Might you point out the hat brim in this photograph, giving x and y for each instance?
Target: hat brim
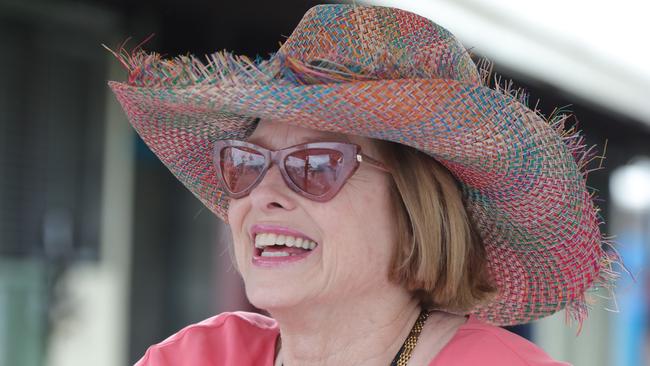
(522, 186)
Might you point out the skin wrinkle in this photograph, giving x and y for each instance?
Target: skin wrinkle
(337, 306)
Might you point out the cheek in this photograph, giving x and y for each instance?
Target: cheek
(363, 226)
(236, 212)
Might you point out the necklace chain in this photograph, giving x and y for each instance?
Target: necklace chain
(404, 355)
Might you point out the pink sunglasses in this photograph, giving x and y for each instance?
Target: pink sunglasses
(316, 170)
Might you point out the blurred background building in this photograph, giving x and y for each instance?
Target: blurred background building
(103, 252)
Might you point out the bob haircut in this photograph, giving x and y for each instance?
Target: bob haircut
(439, 256)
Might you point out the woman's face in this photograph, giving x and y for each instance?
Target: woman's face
(354, 232)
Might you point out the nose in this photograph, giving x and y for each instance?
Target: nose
(272, 193)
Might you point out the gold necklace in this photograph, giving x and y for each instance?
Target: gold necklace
(404, 355)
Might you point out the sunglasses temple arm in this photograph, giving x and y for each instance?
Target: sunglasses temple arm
(367, 159)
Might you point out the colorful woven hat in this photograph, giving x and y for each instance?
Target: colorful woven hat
(389, 74)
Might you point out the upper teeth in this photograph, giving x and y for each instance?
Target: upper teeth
(267, 239)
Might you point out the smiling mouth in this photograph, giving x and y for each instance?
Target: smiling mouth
(271, 247)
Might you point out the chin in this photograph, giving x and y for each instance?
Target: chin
(271, 297)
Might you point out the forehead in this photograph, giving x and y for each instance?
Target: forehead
(277, 135)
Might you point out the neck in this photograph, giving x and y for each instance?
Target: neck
(353, 332)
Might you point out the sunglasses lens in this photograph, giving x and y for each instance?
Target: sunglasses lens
(315, 171)
(240, 167)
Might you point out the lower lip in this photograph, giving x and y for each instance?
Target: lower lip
(267, 262)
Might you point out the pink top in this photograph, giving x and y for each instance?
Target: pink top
(242, 339)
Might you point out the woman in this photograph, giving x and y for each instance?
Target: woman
(386, 207)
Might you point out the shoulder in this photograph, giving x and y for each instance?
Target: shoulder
(218, 340)
(479, 343)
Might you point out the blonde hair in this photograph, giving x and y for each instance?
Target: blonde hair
(439, 256)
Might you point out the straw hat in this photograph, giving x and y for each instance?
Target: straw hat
(390, 74)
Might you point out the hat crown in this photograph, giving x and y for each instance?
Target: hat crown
(383, 42)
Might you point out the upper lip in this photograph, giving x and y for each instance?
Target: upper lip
(277, 229)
